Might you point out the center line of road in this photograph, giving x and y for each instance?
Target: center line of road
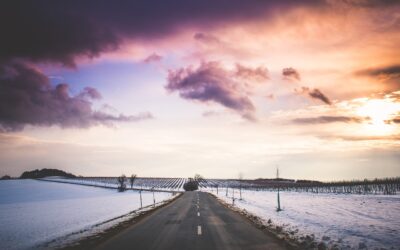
(198, 230)
(198, 213)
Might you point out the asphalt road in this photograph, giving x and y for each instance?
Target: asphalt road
(196, 220)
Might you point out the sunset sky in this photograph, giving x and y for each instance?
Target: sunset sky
(174, 88)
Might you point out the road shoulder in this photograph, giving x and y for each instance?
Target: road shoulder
(270, 230)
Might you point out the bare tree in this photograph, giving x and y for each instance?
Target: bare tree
(198, 179)
(132, 179)
(121, 183)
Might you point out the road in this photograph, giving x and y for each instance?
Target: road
(194, 221)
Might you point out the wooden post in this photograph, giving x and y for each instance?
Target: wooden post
(140, 192)
(279, 200)
(154, 199)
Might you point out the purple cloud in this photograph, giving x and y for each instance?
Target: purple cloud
(391, 70)
(330, 119)
(259, 74)
(389, 74)
(60, 31)
(315, 94)
(210, 82)
(28, 98)
(206, 38)
(290, 74)
(152, 58)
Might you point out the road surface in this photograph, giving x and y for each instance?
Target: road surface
(194, 221)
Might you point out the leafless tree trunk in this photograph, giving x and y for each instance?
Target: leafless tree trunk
(132, 179)
(121, 183)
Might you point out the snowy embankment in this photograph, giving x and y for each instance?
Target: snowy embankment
(345, 221)
(35, 212)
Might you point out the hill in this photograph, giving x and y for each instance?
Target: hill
(34, 174)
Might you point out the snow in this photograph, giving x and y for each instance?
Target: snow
(34, 212)
(347, 220)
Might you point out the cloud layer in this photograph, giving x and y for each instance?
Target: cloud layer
(290, 74)
(315, 94)
(28, 98)
(60, 31)
(330, 119)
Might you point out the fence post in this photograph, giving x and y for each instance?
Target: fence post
(140, 192)
(154, 199)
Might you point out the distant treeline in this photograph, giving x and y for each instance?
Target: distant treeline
(45, 172)
(6, 177)
(375, 186)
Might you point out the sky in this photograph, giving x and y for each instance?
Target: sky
(219, 88)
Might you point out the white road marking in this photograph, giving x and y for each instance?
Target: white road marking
(198, 230)
(198, 213)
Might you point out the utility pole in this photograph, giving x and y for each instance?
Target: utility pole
(233, 196)
(277, 179)
(154, 199)
(140, 192)
(240, 184)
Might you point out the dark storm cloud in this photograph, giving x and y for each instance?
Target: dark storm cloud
(210, 82)
(370, 3)
(59, 31)
(389, 75)
(28, 98)
(290, 74)
(392, 70)
(315, 94)
(330, 119)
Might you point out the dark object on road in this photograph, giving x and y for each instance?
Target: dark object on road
(191, 185)
(44, 173)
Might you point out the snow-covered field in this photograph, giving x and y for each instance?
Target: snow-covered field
(35, 212)
(161, 184)
(346, 220)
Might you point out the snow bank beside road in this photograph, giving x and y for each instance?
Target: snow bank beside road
(348, 221)
(34, 212)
